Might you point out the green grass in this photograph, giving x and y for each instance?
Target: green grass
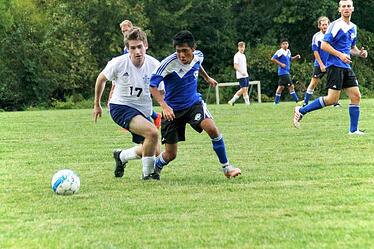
(306, 188)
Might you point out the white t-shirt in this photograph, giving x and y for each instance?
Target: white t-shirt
(132, 83)
(240, 59)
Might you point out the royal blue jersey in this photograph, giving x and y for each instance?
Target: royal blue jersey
(316, 46)
(283, 56)
(180, 80)
(342, 37)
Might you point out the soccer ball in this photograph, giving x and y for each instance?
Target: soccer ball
(65, 182)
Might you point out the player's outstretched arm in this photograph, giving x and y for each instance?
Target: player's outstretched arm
(207, 78)
(99, 88)
(363, 53)
(296, 57)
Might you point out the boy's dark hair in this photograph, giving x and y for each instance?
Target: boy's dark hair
(283, 40)
(184, 37)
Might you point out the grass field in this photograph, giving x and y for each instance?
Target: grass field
(306, 188)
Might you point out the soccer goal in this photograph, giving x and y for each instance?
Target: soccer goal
(251, 83)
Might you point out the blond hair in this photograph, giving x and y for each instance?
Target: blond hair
(128, 22)
(241, 44)
(322, 19)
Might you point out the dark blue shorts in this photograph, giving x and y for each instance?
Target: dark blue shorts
(122, 115)
(244, 82)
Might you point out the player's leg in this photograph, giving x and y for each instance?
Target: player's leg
(245, 95)
(142, 127)
(292, 92)
(156, 119)
(278, 94)
(354, 109)
(309, 91)
(219, 147)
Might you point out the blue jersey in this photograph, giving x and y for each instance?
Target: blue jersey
(316, 46)
(180, 80)
(283, 56)
(342, 37)
(125, 50)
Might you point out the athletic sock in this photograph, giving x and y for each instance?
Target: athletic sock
(129, 154)
(234, 98)
(148, 165)
(315, 105)
(294, 96)
(308, 95)
(160, 162)
(246, 99)
(354, 115)
(219, 148)
(277, 98)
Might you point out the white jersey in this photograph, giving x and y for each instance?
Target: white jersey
(241, 60)
(132, 83)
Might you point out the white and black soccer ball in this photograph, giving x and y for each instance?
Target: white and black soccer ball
(65, 182)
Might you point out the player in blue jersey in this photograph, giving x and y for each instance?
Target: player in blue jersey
(183, 104)
(283, 59)
(340, 42)
(320, 57)
(131, 103)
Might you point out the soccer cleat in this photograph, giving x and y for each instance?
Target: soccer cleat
(152, 176)
(157, 121)
(297, 116)
(230, 103)
(120, 166)
(357, 133)
(338, 105)
(231, 171)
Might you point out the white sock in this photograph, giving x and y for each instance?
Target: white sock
(234, 98)
(310, 91)
(246, 99)
(129, 154)
(148, 165)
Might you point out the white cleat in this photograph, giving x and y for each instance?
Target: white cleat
(297, 116)
(357, 133)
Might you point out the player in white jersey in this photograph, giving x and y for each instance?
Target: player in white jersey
(340, 43)
(131, 103)
(240, 65)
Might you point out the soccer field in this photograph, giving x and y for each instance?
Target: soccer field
(311, 187)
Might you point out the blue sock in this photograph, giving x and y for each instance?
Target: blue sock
(160, 162)
(294, 96)
(354, 114)
(154, 115)
(307, 96)
(315, 105)
(219, 148)
(277, 98)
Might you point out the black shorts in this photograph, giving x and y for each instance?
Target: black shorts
(339, 78)
(284, 80)
(317, 73)
(174, 131)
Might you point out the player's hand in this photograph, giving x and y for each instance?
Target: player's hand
(97, 111)
(323, 68)
(212, 82)
(363, 53)
(297, 57)
(345, 58)
(167, 113)
(283, 65)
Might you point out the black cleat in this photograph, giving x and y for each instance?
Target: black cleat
(152, 176)
(120, 166)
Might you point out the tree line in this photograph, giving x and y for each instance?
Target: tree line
(54, 49)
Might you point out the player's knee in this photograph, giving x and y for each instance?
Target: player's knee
(356, 97)
(152, 134)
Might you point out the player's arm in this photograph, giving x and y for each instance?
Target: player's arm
(99, 88)
(322, 66)
(167, 111)
(237, 68)
(359, 52)
(278, 62)
(296, 57)
(206, 77)
(329, 49)
(110, 93)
